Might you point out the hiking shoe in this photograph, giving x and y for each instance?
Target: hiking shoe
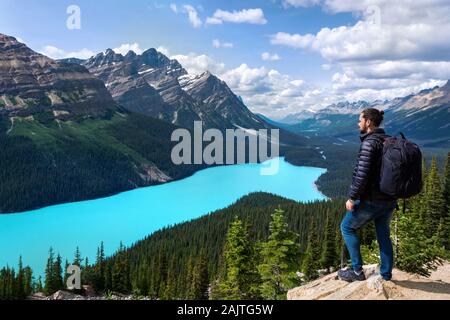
(351, 275)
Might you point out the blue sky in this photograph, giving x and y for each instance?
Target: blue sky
(321, 55)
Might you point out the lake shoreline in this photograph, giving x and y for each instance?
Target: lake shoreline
(133, 215)
(156, 184)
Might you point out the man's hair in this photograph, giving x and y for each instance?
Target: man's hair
(374, 115)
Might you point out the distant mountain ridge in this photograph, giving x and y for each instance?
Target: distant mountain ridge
(344, 107)
(424, 116)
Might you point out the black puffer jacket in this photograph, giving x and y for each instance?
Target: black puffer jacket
(366, 175)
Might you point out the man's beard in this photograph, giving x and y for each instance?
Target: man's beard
(363, 131)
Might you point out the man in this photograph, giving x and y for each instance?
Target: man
(366, 201)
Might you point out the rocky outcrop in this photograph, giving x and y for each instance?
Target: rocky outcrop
(32, 83)
(86, 294)
(404, 286)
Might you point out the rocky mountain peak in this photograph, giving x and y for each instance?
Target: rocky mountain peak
(6, 40)
(446, 87)
(104, 58)
(130, 55)
(31, 82)
(206, 74)
(155, 59)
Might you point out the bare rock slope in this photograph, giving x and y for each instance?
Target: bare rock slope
(404, 286)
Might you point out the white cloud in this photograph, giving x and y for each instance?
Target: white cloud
(395, 12)
(292, 40)
(125, 47)
(173, 7)
(272, 93)
(165, 51)
(394, 49)
(299, 3)
(193, 16)
(252, 16)
(387, 93)
(368, 41)
(56, 53)
(400, 69)
(218, 44)
(195, 64)
(389, 30)
(266, 56)
(264, 90)
(211, 20)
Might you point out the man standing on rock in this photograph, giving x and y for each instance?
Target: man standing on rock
(366, 202)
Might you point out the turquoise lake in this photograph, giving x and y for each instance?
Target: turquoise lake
(132, 215)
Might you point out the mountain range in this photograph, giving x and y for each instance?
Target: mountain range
(424, 117)
(154, 85)
(76, 129)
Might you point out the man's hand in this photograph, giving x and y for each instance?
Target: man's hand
(350, 205)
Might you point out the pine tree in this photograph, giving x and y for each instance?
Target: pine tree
(151, 289)
(20, 281)
(38, 286)
(241, 280)
(446, 188)
(77, 261)
(310, 263)
(161, 275)
(328, 258)
(341, 250)
(108, 278)
(53, 274)
(66, 275)
(188, 279)
(198, 289)
(418, 201)
(28, 281)
(434, 200)
(215, 293)
(446, 219)
(120, 273)
(49, 273)
(417, 253)
(99, 269)
(58, 274)
(169, 290)
(279, 259)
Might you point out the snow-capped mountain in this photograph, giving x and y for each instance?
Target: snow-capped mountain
(344, 108)
(424, 116)
(155, 85)
(218, 99)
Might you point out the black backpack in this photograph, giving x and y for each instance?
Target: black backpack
(401, 168)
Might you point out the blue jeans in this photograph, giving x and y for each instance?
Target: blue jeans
(364, 212)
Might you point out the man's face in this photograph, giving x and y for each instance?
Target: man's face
(363, 124)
